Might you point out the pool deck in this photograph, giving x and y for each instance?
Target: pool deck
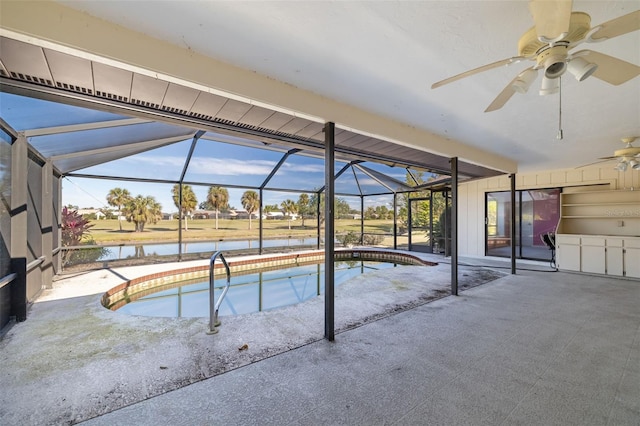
(532, 348)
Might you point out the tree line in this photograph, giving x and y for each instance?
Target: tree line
(141, 209)
(145, 209)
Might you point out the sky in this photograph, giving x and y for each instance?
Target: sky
(303, 174)
(213, 162)
(216, 163)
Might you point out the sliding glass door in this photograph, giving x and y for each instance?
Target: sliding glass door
(537, 213)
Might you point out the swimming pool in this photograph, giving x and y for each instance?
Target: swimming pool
(249, 293)
(256, 284)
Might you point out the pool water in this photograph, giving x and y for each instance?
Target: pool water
(248, 293)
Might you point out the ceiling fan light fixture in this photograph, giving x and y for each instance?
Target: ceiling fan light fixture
(635, 164)
(524, 80)
(581, 69)
(555, 66)
(549, 86)
(622, 166)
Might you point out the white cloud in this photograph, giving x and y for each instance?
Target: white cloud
(306, 168)
(224, 166)
(230, 166)
(382, 200)
(212, 166)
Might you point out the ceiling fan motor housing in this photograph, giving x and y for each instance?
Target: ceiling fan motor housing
(529, 45)
(554, 57)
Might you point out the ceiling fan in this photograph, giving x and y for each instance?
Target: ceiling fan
(557, 30)
(629, 156)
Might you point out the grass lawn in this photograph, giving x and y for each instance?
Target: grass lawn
(107, 232)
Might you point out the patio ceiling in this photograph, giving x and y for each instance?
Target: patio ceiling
(168, 112)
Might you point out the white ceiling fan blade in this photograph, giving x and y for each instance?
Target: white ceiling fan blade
(483, 68)
(551, 17)
(612, 70)
(506, 94)
(618, 26)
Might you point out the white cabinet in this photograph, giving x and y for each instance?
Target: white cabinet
(592, 255)
(616, 256)
(599, 233)
(568, 252)
(632, 257)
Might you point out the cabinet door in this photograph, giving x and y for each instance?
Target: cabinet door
(568, 257)
(615, 264)
(593, 259)
(632, 262)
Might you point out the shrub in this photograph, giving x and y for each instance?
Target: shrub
(75, 232)
(83, 255)
(74, 227)
(348, 239)
(372, 240)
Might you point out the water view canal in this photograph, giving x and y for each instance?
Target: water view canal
(168, 249)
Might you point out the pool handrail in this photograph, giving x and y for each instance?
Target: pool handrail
(213, 305)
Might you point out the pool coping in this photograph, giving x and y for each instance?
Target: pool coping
(135, 288)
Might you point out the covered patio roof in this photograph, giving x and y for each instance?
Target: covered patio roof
(80, 113)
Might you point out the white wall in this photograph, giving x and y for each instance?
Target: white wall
(471, 196)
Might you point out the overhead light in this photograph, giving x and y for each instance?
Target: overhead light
(581, 69)
(622, 165)
(549, 85)
(555, 65)
(524, 80)
(625, 162)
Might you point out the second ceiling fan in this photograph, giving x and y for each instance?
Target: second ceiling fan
(558, 30)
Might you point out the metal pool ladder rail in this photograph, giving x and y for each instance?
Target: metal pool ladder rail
(213, 305)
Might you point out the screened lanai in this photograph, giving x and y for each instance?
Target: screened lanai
(92, 150)
(83, 128)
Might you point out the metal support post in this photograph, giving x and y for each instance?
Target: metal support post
(180, 222)
(329, 165)
(318, 221)
(512, 178)
(19, 243)
(454, 226)
(361, 219)
(431, 220)
(260, 234)
(395, 221)
(47, 224)
(19, 289)
(409, 224)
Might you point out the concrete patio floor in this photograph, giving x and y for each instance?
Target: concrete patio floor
(532, 348)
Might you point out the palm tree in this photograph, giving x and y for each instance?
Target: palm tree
(290, 208)
(118, 197)
(251, 202)
(189, 201)
(303, 206)
(155, 210)
(142, 210)
(218, 197)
